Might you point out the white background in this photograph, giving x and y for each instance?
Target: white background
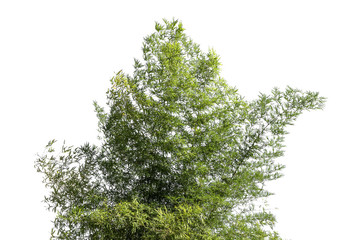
(56, 57)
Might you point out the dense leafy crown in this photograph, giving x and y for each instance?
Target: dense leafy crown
(183, 155)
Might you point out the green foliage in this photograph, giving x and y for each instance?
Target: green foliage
(183, 155)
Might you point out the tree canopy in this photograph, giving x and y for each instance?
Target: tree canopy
(182, 154)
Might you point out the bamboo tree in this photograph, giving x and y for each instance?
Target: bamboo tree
(183, 155)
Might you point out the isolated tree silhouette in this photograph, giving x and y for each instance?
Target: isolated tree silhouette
(183, 155)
